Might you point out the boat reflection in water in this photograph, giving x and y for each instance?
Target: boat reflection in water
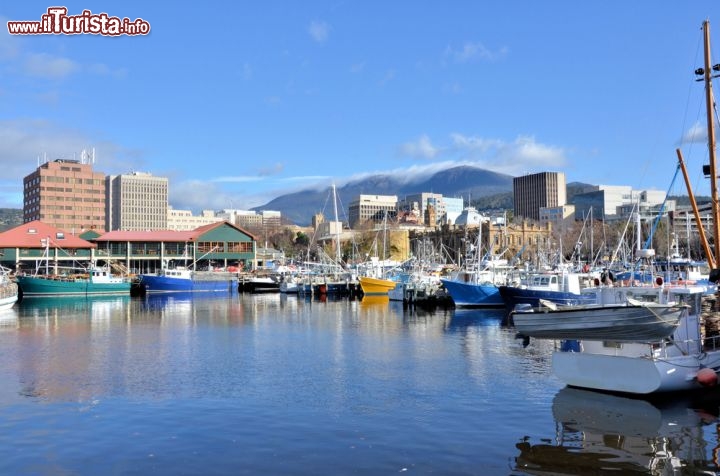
(473, 317)
(600, 433)
(59, 306)
(182, 299)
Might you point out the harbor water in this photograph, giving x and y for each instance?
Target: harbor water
(280, 385)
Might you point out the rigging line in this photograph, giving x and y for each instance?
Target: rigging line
(684, 136)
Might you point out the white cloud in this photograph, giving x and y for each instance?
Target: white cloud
(357, 67)
(48, 66)
(101, 69)
(25, 143)
(512, 158)
(237, 178)
(389, 76)
(319, 31)
(219, 193)
(422, 148)
(273, 169)
(696, 133)
(474, 145)
(21, 60)
(246, 72)
(9, 44)
(452, 88)
(473, 52)
(199, 195)
(524, 153)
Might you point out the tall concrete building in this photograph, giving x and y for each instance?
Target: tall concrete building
(66, 194)
(534, 191)
(371, 207)
(136, 202)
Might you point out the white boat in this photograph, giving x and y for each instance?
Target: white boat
(663, 348)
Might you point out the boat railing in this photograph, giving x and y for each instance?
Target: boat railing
(711, 343)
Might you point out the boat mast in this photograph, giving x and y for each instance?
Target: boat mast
(337, 231)
(709, 103)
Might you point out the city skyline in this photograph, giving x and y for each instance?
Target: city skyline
(279, 97)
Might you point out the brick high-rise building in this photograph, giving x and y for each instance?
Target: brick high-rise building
(65, 194)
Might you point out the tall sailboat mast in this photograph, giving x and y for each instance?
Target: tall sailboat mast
(709, 103)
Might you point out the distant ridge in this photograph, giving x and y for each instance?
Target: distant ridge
(464, 182)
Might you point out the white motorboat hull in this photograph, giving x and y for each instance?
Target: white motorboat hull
(636, 375)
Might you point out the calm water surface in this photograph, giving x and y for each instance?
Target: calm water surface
(270, 384)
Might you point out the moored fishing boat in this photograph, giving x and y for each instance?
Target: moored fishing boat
(182, 279)
(473, 294)
(476, 283)
(557, 287)
(376, 286)
(267, 283)
(95, 281)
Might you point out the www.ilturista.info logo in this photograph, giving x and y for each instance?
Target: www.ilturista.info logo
(57, 22)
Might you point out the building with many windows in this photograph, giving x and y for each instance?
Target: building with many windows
(182, 220)
(560, 217)
(371, 208)
(137, 201)
(533, 191)
(610, 202)
(65, 194)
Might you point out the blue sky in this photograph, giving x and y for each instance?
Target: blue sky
(239, 102)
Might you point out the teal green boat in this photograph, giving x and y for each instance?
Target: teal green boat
(97, 281)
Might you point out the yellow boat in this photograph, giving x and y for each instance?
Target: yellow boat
(376, 286)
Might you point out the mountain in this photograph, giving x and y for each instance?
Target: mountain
(10, 218)
(458, 182)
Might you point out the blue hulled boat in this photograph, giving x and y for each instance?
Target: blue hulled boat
(186, 280)
(559, 288)
(470, 294)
